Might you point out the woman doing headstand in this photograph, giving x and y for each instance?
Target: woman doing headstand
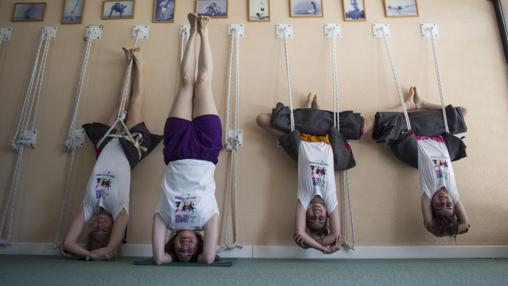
(192, 141)
(106, 201)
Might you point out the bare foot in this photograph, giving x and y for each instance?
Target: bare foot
(136, 55)
(193, 21)
(417, 100)
(410, 101)
(314, 102)
(308, 104)
(127, 53)
(203, 23)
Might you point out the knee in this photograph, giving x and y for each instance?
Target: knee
(187, 79)
(203, 79)
(263, 120)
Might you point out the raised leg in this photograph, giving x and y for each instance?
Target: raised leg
(182, 105)
(114, 114)
(134, 115)
(203, 97)
(264, 121)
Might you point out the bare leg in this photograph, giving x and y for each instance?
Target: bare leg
(423, 105)
(182, 105)
(264, 121)
(114, 114)
(368, 124)
(134, 115)
(311, 101)
(203, 97)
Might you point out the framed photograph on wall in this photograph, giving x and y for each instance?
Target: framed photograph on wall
(306, 8)
(354, 10)
(212, 8)
(259, 11)
(401, 8)
(28, 12)
(112, 9)
(163, 11)
(73, 11)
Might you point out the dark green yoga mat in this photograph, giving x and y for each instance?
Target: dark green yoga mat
(223, 262)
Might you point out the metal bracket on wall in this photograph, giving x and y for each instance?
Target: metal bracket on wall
(140, 32)
(93, 32)
(333, 31)
(5, 34)
(184, 31)
(429, 30)
(49, 32)
(238, 28)
(284, 31)
(381, 30)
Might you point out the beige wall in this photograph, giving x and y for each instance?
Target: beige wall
(385, 193)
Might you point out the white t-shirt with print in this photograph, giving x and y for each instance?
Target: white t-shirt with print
(435, 167)
(316, 175)
(188, 194)
(109, 184)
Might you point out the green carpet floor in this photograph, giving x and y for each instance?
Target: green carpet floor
(48, 270)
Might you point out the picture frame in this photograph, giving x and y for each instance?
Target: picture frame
(72, 12)
(305, 8)
(259, 11)
(354, 10)
(121, 9)
(164, 11)
(212, 8)
(28, 12)
(401, 8)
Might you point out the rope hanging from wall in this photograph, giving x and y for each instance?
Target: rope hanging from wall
(346, 210)
(26, 133)
(76, 135)
(233, 139)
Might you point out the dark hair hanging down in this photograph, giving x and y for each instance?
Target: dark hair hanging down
(446, 225)
(169, 248)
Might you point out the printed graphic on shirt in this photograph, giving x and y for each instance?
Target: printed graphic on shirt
(318, 173)
(441, 168)
(185, 209)
(103, 183)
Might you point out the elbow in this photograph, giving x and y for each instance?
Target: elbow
(206, 259)
(157, 260)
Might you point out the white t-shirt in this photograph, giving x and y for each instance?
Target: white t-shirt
(316, 175)
(109, 184)
(188, 194)
(435, 167)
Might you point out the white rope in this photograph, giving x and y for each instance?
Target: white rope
(288, 74)
(121, 110)
(396, 78)
(28, 112)
(344, 177)
(69, 143)
(232, 143)
(350, 208)
(28, 95)
(40, 83)
(439, 82)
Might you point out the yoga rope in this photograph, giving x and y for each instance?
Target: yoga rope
(288, 74)
(396, 78)
(73, 142)
(28, 117)
(439, 82)
(344, 175)
(232, 141)
(122, 113)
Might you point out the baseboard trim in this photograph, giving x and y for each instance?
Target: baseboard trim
(275, 252)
